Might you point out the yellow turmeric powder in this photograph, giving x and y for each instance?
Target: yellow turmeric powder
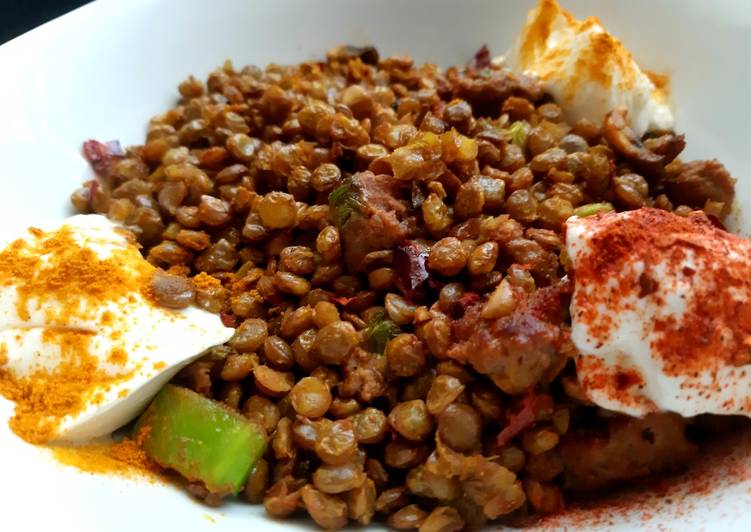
(124, 458)
(130, 451)
(205, 281)
(68, 282)
(46, 396)
(55, 268)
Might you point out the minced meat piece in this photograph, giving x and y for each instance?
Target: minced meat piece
(517, 349)
(632, 448)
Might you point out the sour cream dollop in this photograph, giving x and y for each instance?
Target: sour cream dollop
(587, 70)
(661, 313)
(83, 344)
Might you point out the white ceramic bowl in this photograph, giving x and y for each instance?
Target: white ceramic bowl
(103, 70)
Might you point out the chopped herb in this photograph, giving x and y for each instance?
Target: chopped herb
(343, 301)
(343, 201)
(592, 208)
(517, 133)
(379, 331)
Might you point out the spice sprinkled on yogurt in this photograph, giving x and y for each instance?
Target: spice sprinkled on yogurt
(81, 330)
(660, 313)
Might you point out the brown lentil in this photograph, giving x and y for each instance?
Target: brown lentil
(250, 335)
(447, 256)
(327, 511)
(411, 420)
(370, 425)
(442, 519)
(333, 342)
(405, 355)
(460, 426)
(409, 517)
(310, 397)
(262, 410)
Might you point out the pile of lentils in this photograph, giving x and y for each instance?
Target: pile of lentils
(342, 215)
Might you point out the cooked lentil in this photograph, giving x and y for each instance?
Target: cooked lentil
(307, 202)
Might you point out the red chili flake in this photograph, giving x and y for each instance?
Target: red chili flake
(469, 299)
(716, 222)
(228, 320)
(343, 301)
(617, 383)
(409, 266)
(101, 155)
(482, 58)
(521, 420)
(625, 379)
(647, 284)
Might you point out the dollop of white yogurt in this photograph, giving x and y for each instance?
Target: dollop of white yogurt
(661, 313)
(587, 70)
(121, 345)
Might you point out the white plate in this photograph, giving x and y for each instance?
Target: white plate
(103, 70)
